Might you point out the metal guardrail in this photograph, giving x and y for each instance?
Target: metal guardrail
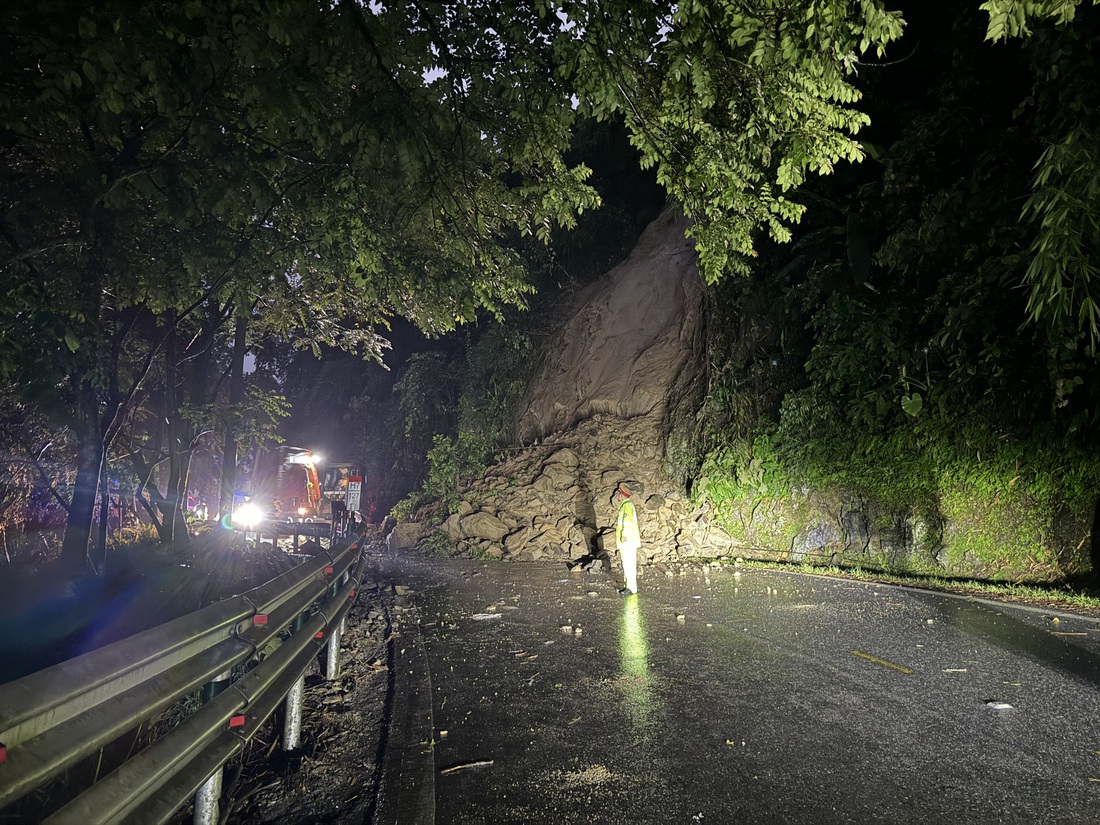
(296, 530)
(52, 719)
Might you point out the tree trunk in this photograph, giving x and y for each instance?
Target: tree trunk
(104, 518)
(236, 396)
(90, 451)
(148, 496)
(175, 522)
(171, 505)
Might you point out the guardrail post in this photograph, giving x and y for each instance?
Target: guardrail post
(206, 800)
(216, 686)
(332, 652)
(292, 726)
(210, 791)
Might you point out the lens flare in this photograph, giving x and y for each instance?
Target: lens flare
(248, 515)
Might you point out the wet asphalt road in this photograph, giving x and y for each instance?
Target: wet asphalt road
(723, 697)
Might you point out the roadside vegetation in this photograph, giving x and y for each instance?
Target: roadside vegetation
(910, 351)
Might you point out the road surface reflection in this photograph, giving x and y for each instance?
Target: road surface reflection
(635, 685)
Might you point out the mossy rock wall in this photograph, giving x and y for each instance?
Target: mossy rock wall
(1009, 539)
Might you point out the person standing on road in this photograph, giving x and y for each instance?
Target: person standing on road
(628, 539)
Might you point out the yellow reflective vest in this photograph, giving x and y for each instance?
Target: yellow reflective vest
(626, 531)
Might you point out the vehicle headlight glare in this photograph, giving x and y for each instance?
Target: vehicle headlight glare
(248, 515)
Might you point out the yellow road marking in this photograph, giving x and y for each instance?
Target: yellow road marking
(878, 661)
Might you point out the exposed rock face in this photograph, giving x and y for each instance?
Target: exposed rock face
(632, 334)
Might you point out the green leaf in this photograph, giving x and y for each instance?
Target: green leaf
(912, 404)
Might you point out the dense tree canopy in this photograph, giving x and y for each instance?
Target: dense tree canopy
(735, 104)
(165, 160)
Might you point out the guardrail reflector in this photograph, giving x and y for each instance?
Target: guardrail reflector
(236, 721)
(259, 619)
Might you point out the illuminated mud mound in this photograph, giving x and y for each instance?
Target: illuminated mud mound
(632, 339)
(594, 417)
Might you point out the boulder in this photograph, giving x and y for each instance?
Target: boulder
(629, 339)
(451, 527)
(518, 542)
(483, 525)
(565, 457)
(559, 476)
(545, 484)
(405, 536)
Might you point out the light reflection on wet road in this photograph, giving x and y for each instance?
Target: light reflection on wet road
(750, 697)
(639, 703)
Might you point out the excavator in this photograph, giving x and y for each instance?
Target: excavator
(287, 485)
(299, 488)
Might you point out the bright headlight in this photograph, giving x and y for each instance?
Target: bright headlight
(248, 515)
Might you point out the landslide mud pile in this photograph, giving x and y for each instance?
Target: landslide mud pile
(593, 418)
